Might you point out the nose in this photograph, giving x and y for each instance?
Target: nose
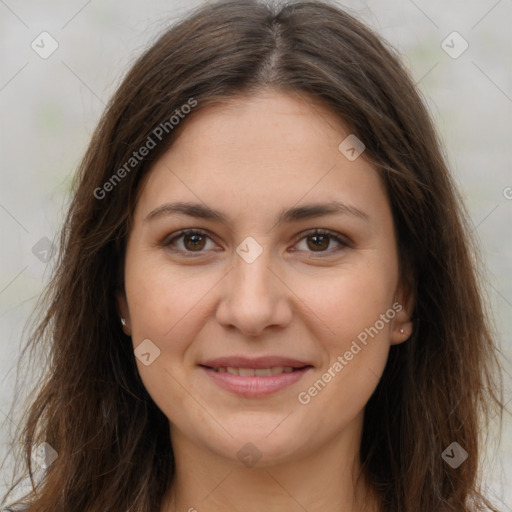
(254, 297)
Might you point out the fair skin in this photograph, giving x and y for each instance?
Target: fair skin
(250, 158)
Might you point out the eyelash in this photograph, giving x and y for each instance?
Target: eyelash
(314, 232)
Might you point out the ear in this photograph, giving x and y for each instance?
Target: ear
(403, 305)
(124, 312)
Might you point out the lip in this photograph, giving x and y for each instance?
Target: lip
(255, 386)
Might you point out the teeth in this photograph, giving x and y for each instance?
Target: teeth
(251, 372)
(263, 372)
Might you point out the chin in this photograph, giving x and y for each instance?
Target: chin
(265, 446)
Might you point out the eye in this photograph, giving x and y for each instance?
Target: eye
(318, 240)
(193, 241)
(190, 241)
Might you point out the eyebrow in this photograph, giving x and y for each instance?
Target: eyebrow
(289, 215)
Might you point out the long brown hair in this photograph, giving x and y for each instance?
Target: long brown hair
(439, 387)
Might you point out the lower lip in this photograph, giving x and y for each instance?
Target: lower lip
(257, 385)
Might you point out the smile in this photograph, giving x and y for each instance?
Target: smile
(255, 382)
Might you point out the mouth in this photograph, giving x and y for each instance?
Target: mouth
(260, 372)
(255, 382)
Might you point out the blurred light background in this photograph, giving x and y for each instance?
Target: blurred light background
(50, 106)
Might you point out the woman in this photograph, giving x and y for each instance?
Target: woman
(266, 295)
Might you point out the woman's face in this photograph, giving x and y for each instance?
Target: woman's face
(255, 288)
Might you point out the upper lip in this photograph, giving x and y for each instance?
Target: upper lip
(257, 362)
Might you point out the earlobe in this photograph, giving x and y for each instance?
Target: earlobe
(401, 331)
(402, 326)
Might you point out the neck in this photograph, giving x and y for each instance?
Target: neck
(324, 480)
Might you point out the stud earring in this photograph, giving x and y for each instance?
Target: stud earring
(123, 321)
(402, 331)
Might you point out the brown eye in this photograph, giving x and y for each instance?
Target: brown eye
(193, 242)
(188, 242)
(318, 241)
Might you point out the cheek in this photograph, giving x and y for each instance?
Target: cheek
(350, 301)
(166, 308)
(353, 314)
(163, 299)
(356, 306)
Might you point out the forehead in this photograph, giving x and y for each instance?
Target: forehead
(270, 124)
(268, 149)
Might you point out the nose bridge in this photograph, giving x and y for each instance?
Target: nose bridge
(253, 297)
(252, 279)
(251, 272)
